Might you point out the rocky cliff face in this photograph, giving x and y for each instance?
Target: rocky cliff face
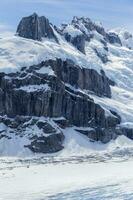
(36, 28)
(39, 101)
(60, 94)
(30, 93)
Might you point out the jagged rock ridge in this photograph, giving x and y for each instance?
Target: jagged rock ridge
(83, 29)
(36, 28)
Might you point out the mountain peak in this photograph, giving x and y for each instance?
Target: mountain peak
(80, 19)
(86, 25)
(34, 14)
(36, 28)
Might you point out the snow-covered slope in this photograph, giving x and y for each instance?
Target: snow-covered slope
(17, 52)
(125, 36)
(32, 181)
(119, 68)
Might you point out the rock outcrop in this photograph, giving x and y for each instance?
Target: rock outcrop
(65, 94)
(113, 38)
(60, 95)
(42, 134)
(78, 41)
(36, 28)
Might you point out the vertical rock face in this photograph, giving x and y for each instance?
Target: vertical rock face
(113, 38)
(36, 28)
(55, 93)
(82, 78)
(78, 41)
(61, 95)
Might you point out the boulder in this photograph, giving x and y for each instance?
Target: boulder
(50, 144)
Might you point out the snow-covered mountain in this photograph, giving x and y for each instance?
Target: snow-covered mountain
(59, 85)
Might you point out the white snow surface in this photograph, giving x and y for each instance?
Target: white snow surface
(33, 88)
(72, 31)
(82, 181)
(70, 174)
(77, 144)
(46, 70)
(17, 52)
(120, 70)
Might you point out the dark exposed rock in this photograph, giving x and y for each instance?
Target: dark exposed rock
(4, 136)
(125, 131)
(113, 121)
(117, 116)
(100, 134)
(61, 100)
(50, 144)
(128, 132)
(53, 142)
(103, 57)
(47, 128)
(36, 28)
(78, 41)
(113, 38)
(112, 82)
(105, 135)
(63, 123)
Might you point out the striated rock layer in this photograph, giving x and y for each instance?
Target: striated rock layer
(58, 94)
